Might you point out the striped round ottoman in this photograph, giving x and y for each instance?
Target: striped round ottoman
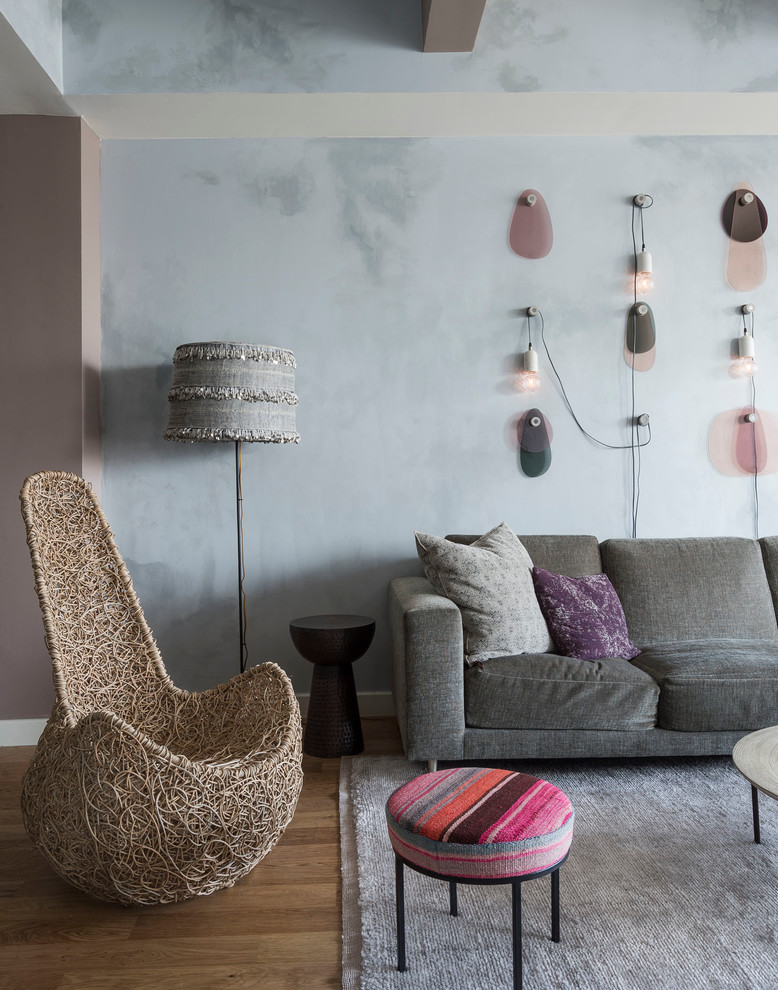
(480, 826)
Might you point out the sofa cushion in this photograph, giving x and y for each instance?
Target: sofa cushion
(548, 691)
(584, 615)
(714, 685)
(691, 589)
(491, 583)
(769, 545)
(571, 555)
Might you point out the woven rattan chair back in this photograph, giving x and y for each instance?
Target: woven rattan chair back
(140, 792)
(103, 653)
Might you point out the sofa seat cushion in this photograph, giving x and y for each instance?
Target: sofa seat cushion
(714, 685)
(545, 691)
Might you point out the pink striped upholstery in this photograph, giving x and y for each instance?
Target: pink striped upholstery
(480, 823)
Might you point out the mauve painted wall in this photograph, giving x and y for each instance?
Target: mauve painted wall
(359, 46)
(47, 423)
(384, 265)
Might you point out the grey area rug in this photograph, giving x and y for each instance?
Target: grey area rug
(664, 888)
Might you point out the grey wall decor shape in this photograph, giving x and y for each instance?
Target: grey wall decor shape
(745, 220)
(640, 337)
(534, 435)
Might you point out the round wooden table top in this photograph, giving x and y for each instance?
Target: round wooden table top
(325, 622)
(332, 639)
(756, 757)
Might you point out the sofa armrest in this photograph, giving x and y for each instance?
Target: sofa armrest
(428, 661)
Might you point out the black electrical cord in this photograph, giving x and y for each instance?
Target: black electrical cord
(568, 404)
(756, 464)
(635, 445)
(753, 436)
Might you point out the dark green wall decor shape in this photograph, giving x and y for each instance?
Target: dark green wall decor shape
(534, 435)
(640, 337)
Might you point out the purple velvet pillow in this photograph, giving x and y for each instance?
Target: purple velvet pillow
(584, 615)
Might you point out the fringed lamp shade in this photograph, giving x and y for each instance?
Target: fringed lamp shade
(226, 391)
(233, 392)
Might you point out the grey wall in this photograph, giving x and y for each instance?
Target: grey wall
(384, 265)
(39, 24)
(355, 46)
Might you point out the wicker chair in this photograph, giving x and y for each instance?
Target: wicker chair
(139, 792)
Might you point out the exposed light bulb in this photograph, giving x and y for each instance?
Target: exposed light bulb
(644, 272)
(744, 365)
(527, 377)
(644, 283)
(527, 381)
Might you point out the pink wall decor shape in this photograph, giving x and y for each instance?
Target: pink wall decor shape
(745, 220)
(531, 234)
(738, 448)
(640, 337)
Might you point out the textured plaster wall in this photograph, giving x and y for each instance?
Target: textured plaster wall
(384, 265)
(355, 46)
(39, 24)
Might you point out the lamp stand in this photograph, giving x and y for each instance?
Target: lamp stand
(241, 575)
(223, 391)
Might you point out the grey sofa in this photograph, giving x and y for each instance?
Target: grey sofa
(702, 611)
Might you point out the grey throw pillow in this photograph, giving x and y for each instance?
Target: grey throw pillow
(491, 583)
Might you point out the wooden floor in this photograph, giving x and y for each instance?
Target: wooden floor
(280, 927)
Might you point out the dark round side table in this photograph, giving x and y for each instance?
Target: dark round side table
(332, 643)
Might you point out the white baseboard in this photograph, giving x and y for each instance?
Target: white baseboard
(26, 731)
(21, 731)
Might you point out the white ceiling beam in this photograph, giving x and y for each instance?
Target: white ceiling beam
(386, 115)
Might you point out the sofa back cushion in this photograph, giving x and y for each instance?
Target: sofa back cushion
(691, 589)
(570, 555)
(769, 546)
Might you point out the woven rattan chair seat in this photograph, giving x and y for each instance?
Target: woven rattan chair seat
(140, 792)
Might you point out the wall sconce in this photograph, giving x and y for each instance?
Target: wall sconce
(527, 375)
(531, 234)
(744, 364)
(640, 337)
(534, 435)
(745, 220)
(644, 263)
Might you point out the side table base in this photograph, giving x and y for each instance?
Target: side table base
(332, 726)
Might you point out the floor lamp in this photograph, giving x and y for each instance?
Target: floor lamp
(225, 392)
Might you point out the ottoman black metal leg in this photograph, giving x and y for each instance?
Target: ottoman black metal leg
(517, 961)
(755, 809)
(555, 906)
(452, 897)
(400, 903)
